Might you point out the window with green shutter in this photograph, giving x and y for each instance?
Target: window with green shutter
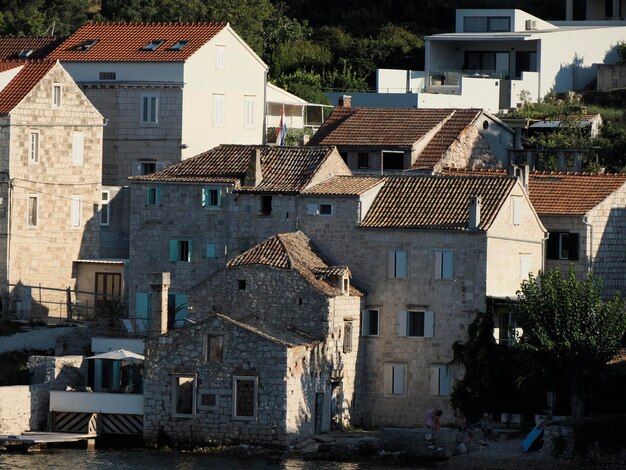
(153, 196)
(211, 197)
(180, 250)
(142, 305)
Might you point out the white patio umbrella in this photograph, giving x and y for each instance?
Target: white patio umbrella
(119, 355)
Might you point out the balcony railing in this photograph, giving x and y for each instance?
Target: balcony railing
(453, 77)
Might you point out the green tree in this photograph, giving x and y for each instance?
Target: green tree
(306, 85)
(570, 333)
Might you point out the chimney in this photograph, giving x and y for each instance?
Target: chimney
(159, 285)
(474, 213)
(253, 174)
(345, 101)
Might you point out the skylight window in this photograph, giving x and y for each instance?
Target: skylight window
(86, 45)
(153, 45)
(24, 54)
(178, 46)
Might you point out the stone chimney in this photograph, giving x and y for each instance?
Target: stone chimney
(159, 285)
(345, 101)
(253, 174)
(474, 213)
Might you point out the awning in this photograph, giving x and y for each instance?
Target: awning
(119, 355)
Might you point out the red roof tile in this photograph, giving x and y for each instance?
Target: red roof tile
(555, 193)
(41, 46)
(295, 251)
(284, 169)
(123, 42)
(460, 120)
(344, 186)
(436, 202)
(369, 127)
(29, 76)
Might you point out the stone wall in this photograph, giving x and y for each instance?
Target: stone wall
(23, 408)
(54, 179)
(245, 354)
(469, 150)
(58, 372)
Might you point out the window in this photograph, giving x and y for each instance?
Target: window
(370, 322)
(397, 264)
(153, 45)
(265, 205)
(562, 245)
(78, 148)
(184, 396)
(33, 147)
(241, 284)
(56, 95)
(150, 108)
(176, 309)
(218, 110)
(153, 196)
(347, 336)
(211, 197)
(363, 161)
(326, 209)
(440, 380)
(208, 400)
(516, 210)
(525, 262)
(214, 348)
(444, 265)
(244, 397)
(104, 208)
(393, 160)
(86, 45)
(178, 46)
(211, 250)
(220, 56)
(395, 379)
(142, 305)
(75, 205)
(506, 330)
(180, 250)
(481, 24)
(107, 75)
(416, 324)
(146, 167)
(250, 105)
(33, 203)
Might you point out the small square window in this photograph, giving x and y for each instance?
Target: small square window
(208, 399)
(211, 197)
(326, 209)
(180, 250)
(242, 284)
(266, 205)
(364, 162)
(211, 250)
(153, 196)
(107, 75)
(214, 348)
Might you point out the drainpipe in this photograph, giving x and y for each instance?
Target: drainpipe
(546, 235)
(589, 235)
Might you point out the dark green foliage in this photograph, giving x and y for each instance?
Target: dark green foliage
(293, 138)
(607, 432)
(570, 333)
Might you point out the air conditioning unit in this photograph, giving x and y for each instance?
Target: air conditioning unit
(530, 25)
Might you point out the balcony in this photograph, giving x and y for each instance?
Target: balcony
(449, 81)
(90, 402)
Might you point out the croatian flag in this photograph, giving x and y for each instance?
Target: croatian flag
(281, 132)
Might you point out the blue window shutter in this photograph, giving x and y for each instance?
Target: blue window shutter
(190, 250)
(429, 324)
(157, 196)
(205, 197)
(219, 197)
(173, 250)
(181, 309)
(211, 250)
(142, 305)
(402, 321)
(148, 196)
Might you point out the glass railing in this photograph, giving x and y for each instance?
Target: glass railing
(453, 77)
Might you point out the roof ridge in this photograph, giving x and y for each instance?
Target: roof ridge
(286, 250)
(574, 173)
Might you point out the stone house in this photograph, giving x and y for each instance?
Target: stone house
(169, 91)
(189, 218)
(50, 173)
(393, 140)
(279, 364)
(429, 251)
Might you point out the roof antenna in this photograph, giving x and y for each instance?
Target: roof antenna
(51, 29)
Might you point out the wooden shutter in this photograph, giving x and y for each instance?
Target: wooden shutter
(445, 380)
(438, 265)
(142, 305)
(552, 248)
(211, 250)
(573, 246)
(173, 250)
(180, 307)
(205, 197)
(402, 321)
(401, 264)
(75, 210)
(311, 209)
(365, 321)
(516, 207)
(429, 324)
(399, 373)
(447, 261)
(434, 380)
(190, 250)
(78, 142)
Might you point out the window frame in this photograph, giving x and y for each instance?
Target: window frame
(153, 196)
(394, 271)
(76, 206)
(405, 321)
(516, 210)
(104, 203)
(219, 118)
(265, 204)
(436, 380)
(348, 330)
(441, 272)
(57, 95)
(194, 392)
(176, 252)
(554, 246)
(255, 380)
(363, 160)
(249, 104)
(33, 147)
(207, 198)
(149, 109)
(207, 348)
(326, 204)
(32, 197)
(207, 251)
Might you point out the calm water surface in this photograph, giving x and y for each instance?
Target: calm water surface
(83, 459)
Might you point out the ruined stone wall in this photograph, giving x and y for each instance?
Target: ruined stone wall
(245, 354)
(58, 372)
(470, 150)
(23, 408)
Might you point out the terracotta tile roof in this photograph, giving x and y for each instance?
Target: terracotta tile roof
(436, 202)
(561, 193)
(41, 46)
(284, 169)
(571, 193)
(29, 76)
(344, 186)
(369, 127)
(295, 251)
(124, 42)
(445, 137)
